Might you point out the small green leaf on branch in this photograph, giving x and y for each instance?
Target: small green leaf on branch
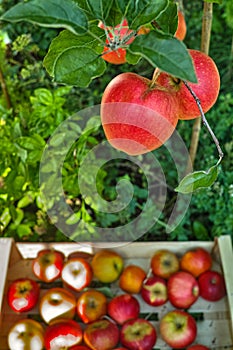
(49, 13)
(197, 180)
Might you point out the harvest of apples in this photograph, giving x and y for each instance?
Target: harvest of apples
(98, 300)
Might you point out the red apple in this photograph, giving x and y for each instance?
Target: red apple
(107, 265)
(138, 334)
(26, 334)
(48, 264)
(101, 335)
(196, 261)
(77, 273)
(164, 263)
(23, 294)
(181, 28)
(178, 329)
(206, 89)
(123, 307)
(62, 334)
(212, 285)
(57, 303)
(154, 291)
(79, 347)
(91, 305)
(183, 289)
(137, 116)
(131, 279)
(198, 347)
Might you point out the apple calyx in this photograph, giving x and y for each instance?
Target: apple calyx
(138, 331)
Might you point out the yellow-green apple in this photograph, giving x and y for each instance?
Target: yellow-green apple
(181, 27)
(131, 279)
(138, 334)
(48, 264)
(77, 273)
(26, 334)
(62, 334)
(164, 263)
(206, 89)
(123, 307)
(198, 347)
(212, 285)
(137, 115)
(178, 329)
(91, 305)
(196, 261)
(154, 291)
(101, 335)
(107, 265)
(183, 289)
(57, 303)
(23, 294)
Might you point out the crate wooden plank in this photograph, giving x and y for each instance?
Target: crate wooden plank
(215, 330)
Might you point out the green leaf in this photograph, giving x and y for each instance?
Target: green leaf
(34, 143)
(132, 58)
(5, 218)
(200, 231)
(75, 60)
(49, 13)
(100, 9)
(141, 12)
(165, 52)
(168, 19)
(198, 180)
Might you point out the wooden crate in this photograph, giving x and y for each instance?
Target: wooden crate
(215, 327)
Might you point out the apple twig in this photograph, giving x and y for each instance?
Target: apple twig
(204, 120)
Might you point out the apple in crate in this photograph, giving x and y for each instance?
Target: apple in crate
(62, 334)
(124, 307)
(164, 263)
(154, 291)
(183, 289)
(26, 334)
(131, 279)
(23, 294)
(178, 329)
(138, 334)
(196, 261)
(101, 335)
(57, 303)
(77, 273)
(91, 305)
(107, 265)
(79, 347)
(212, 285)
(47, 266)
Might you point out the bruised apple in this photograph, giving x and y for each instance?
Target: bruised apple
(196, 261)
(91, 305)
(47, 266)
(138, 116)
(57, 303)
(131, 279)
(107, 265)
(154, 291)
(23, 294)
(206, 88)
(26, 334)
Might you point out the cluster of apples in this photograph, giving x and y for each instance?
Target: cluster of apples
(138, 114)
(79, 317)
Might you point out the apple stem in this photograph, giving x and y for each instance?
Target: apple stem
(156, 74)
(205, 122)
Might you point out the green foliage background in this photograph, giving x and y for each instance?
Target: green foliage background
(38, 106)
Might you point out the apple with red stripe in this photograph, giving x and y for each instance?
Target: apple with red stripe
(101, 335)
(124, 307)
